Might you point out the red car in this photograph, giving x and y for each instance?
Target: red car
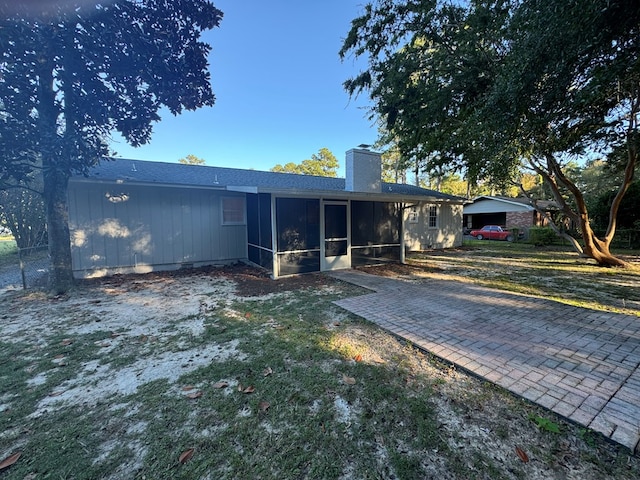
(492, 232)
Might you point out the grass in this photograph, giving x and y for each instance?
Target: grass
(299, 434)
(291, 387)
(8, 251)
(553, 272)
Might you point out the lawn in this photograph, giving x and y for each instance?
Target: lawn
(8, 251)
(553, 272)
(225, 374)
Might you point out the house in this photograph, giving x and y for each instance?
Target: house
(137, 216)
(504, 211)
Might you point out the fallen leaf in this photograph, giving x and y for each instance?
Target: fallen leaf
(186, 388)
(523, 456)
(56, 394)
(115, 334)
(66, 341)
(194, 395)
(264, 406)
(249, 389)
(358, 358)
(186, 455)
(59, 356)
(240, 387)
(348, 380)
(336, 324)
(221, 384)
(267, 372)
(10, 460)
(247, 315)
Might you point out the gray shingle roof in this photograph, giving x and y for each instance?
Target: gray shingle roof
(139, 171)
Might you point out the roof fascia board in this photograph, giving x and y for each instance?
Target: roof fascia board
(359, 196)
(143, 184)
(338, 194)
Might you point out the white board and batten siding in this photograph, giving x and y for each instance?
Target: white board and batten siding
(135, 228)
(421, 234)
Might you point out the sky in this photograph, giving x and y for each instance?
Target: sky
(277, 78)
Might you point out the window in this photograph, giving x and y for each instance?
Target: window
(233, 211)
(413, 215)
(433, 216)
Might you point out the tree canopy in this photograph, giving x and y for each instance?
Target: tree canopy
(191, 159)
(322, 164)
(488, 86)
(75, 71)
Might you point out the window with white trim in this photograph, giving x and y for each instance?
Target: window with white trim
(433, 216)
(413, 215)
(233, 211)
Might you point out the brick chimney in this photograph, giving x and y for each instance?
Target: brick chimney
(363, 171)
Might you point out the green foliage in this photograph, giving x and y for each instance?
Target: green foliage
(191, 160)
(22, 211)
(545, 424)
(322, 164)
(628, 214)
(483, 86)
(72, 72)
(540, 236)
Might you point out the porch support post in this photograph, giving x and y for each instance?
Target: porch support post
(274, 238)
(402, 255)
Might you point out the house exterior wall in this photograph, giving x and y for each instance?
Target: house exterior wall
(132, 228)
(447, 233)
(522, 220)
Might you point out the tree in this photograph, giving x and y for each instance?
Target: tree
(629, 215)
(74, 71)
(22, 211)
(322, 164)
(191, 160)
(491, 85)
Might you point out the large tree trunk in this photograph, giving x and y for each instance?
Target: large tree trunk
(56, 179)
(594, 247)
(55, 193)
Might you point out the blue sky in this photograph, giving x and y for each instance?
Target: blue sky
(277, 78)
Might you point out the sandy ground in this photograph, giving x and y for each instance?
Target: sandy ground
(144, 309)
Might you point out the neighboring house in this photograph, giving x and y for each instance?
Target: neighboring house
(503, 211)
(137, 216)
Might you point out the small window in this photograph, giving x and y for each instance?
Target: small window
(413, 215)
(433, 216)
(233, 211)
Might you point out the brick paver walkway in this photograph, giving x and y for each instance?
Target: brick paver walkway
(579, 363)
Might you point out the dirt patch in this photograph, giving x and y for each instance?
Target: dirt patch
(397, 270)
(248, 281)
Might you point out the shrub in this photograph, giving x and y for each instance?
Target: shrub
(541, 236)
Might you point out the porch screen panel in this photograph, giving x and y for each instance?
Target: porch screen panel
(266, 240)
(375, 232)
(259, 229)
(298, 235)
(253, 220)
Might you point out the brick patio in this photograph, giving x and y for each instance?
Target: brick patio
(582, 364)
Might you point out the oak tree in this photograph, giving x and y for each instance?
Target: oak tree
(73, 71)
(488, 86)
